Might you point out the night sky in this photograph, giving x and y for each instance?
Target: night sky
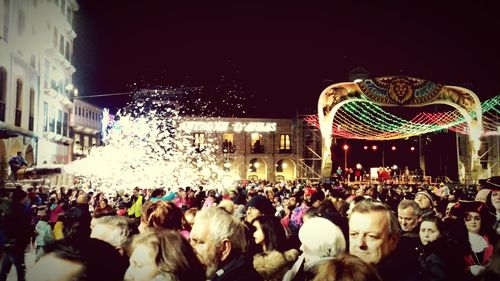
(276, 55)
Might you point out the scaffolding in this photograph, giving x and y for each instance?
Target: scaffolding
(309, 158)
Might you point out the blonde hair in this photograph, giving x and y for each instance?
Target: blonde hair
(227, 205)
(346, 268)
(173, 253)
(162, 214)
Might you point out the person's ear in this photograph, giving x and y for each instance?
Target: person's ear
(225, 249)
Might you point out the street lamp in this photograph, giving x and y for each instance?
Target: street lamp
(71, 91)
(346, 147)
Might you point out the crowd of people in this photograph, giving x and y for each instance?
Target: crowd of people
(291, 230)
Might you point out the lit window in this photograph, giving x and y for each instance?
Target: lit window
(86, 143)
(199, 140)
(285, 143)
(257, 145)
(228, 143)
(77, 148)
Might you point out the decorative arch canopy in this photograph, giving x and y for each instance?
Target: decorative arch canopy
(368, 121)
(398, 91)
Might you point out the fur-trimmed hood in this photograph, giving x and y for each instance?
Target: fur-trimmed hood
(273, 265)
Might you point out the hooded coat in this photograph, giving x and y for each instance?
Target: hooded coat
(274, 264)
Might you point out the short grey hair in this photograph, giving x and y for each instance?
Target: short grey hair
(118, 222)
(406, 203)
(223, 226)
(368, 206)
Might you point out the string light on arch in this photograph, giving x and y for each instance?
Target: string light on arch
(364, 120)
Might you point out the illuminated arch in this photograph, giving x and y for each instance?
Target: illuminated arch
(396, 91)
(285, 168)
(257, 169)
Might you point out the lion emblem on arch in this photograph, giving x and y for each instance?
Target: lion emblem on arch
(401, 90)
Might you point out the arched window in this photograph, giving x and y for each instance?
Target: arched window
(280, 166)
(3, 92)
(19, 102)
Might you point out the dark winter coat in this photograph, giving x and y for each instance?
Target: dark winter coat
(239, 269)
(18, 228)
(440, 260)
(402, 263)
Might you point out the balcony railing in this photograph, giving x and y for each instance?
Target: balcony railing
(2, 111)
(257, 149)
(228, 148)
(285, 150)
(17, 121)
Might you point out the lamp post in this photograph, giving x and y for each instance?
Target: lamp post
(346, 147)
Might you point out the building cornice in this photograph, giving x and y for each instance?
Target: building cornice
(17, 130)
(23, 62)
(53, 137)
